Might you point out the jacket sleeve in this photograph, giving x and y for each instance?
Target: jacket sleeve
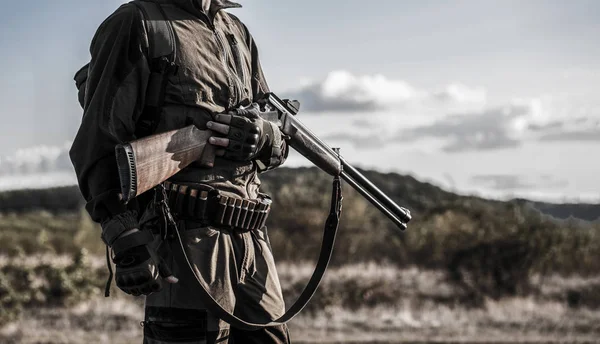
(115, 91)
(276, 150)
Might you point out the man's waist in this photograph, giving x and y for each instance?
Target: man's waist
(207, 205)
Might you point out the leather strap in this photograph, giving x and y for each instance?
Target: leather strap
(132, 240)
(117, 225)
(329, 235)
(160, 30)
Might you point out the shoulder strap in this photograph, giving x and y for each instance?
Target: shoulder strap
(162, 53)
(161, 35)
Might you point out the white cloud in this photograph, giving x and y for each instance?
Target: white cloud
(37, 167)
(37, 180)
(507, 126)
(36, 160)
(462, 94)
(342, 91)
(378, 89)
(504, 182)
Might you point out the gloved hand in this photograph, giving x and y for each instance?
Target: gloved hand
(246, 133)
(140, 270)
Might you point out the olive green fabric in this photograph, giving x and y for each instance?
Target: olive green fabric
(219, 70)
(239, 269)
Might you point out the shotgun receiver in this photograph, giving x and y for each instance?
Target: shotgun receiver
(150, 161)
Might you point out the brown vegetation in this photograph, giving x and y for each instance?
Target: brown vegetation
(462, 259)
(359, 302)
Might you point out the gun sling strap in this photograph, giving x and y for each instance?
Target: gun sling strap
(329, 234)
(162, 54)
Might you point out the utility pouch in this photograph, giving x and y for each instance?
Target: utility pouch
(175, 325)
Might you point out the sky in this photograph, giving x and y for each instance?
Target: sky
(494, 98)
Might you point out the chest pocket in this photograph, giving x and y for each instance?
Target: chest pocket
(241, 61)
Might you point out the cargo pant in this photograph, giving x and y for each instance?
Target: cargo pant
(240, 272)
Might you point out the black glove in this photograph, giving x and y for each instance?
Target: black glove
(246, 133)
(139, 269)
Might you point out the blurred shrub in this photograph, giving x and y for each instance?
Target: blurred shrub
(587, 295)
(47, 284)
(41, 231)
(489, 247)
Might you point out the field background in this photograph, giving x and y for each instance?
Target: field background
(466, 270)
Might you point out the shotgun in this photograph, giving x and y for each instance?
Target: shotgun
(147, 162)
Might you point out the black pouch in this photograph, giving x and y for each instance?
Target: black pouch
(176, 325)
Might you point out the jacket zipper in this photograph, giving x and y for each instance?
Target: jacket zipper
(235, 95)
(241, 72)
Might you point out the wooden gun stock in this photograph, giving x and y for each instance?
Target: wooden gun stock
(149, 161)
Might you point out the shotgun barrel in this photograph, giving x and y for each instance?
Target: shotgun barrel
(319, 153)
(399, 215)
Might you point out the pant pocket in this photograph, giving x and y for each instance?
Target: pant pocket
(175, 325)
(261, 239)
(210, 254)
(203, 239)
(259, 295)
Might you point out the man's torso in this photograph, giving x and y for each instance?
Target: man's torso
(214, 75)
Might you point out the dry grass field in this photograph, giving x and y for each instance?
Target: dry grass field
(467, 270)
(359, 303)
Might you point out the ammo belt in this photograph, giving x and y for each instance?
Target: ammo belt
(329, 234)
(210, 208)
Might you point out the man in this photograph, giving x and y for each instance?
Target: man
(217, 79)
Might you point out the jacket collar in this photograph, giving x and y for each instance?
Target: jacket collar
(207, 7)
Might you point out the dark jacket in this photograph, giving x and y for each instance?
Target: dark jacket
(219, 70)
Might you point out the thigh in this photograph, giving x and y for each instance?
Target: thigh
(210, 254)
(259, 296)
(270, 335)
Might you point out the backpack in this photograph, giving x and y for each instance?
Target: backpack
(161, 37)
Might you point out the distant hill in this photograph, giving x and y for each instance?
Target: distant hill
(447, 230)
(407, 191)
(582, 211)
(58, 199)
